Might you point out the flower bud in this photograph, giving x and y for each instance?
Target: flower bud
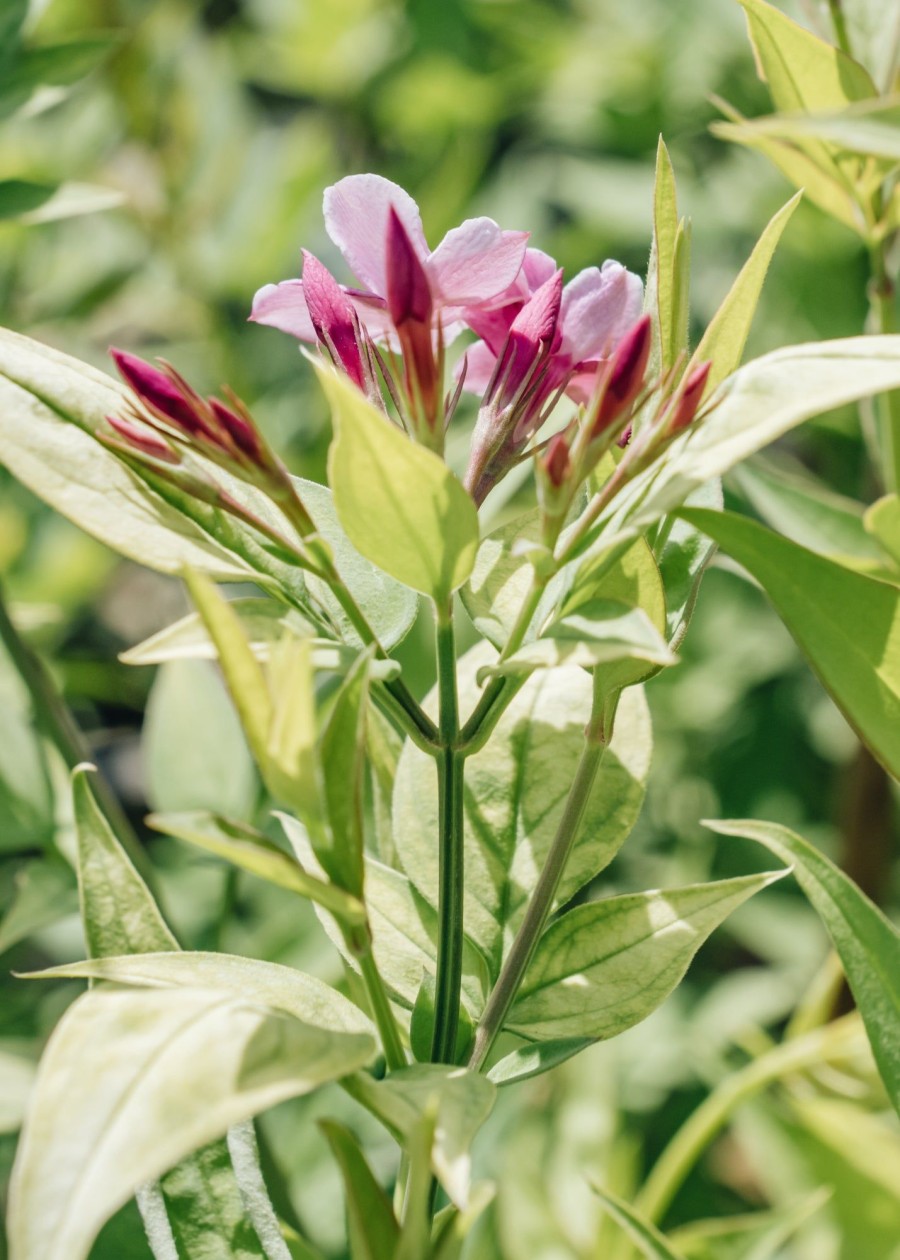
(557, 461)
(684, 406)
(158, 392)
(408, 292)
(143, 441)
(625, 375)
(333, 317)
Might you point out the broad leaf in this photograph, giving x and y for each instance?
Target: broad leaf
(867, 943)
(249, 850)
(372, 1226)
(514, 796)
(622, 643)
(642, 1232)
(463, 1101)
(847, 624)
(726, 334)
(400, 505)
(162, 1073)
(501, 578)
(605, 966)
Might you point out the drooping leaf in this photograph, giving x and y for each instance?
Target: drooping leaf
(847, 624)
(868, 944)
(726, 335)
(162, 1073)
(604, 966)
(463, 1101)
(372, 1226)
(642, 1233)
(400, 505)
(535, 748)
(249, 850)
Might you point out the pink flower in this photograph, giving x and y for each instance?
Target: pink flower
(472, 265)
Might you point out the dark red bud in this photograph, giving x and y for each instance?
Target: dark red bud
(157, 391)
(143, 440)
(684, 408)
(408, 292)
(533, 330)
(238, 428)
(626, 371)
(332, 315)
(557, 461)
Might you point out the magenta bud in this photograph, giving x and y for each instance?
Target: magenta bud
(157, 391)
(557, 461)
(332, 315)
(143, 440)
(685, 406)
(238, 428)
(626, 372)
(408, 292)
(533, 330)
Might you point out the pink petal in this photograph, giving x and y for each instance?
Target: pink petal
(480, 364)
(283, 306)
(475, 262)
(598, 306)
(537, 268)
(356, 216)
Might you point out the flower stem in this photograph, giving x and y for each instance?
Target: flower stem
(450, 763)
(513, 971)
(394, 1054)
(839, 22)
(883, 313)
(54, 716)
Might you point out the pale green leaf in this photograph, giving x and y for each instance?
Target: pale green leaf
(867, 943)
(501, 578)
(17, 1072)
(250, 851)
(882, 521)
(372, 1226)
(681, 292)
(665, 233)
(642, 1232)
(605, 966)
(803, 72)
(516, 788)
(750, 1236)
(343, 751)
(400, 505)
(873, 27)
(162, 1073)
(264, 622)
(193, 749)
(44, 893)
(869, 129)
(682, 554)
(535, 1058)
(847, 624)
(726, 334)
(283, 988)
(463, 1100)
(291, 763)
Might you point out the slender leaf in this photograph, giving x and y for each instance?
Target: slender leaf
(642, 1232)
(882, 521)
(264, 622)
(373, 1228)
(18, 196)
(665, 233)
(605, 966)
(847, 624)
(401, 507)
(343, 753)
(867, 943)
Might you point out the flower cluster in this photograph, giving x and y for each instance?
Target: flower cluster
(538, 340)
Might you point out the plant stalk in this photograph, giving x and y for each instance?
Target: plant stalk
(394, 1054)
(883, 314)
(54, 716)
(450, 768)
(521, 953)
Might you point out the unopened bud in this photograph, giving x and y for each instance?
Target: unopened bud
(625, 375)
(143, 441)
(157, 391)
(557, 461)
(239, 429)
(684, 407)
(332, 315)
(408, 292)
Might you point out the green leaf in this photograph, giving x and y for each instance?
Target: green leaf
(18, 196)
(290, 759)
(501, 578)
(802, 71)
(757, 404)
(72, 199)
(161, 1073)
(665, 233)
(463, 1100)
(282, 988)
(682, 554)
(867, 943)
(250, 851)
(532, 1060)
(49, 406)
(44, 894)
(17, 1072)
(869, 129)
(847, 624)
(194, 752)
(401, 507)
(343, 757)
(59, 64)
(882, 521)
(807, 512)
(764, 1233)
(726, 334)
(873, 27)
(390, 608)
(264, 622)
(605, 966)
(516, 787)
(643, 1233)
(372, 1226)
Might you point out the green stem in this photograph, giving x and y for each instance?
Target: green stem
(394, 1054)
(55, 718)
(837, 1041)
(839, 22)
(450, 765)
(521, 953)
(883, 309)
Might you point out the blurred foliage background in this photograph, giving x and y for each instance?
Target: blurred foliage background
(208, 131)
